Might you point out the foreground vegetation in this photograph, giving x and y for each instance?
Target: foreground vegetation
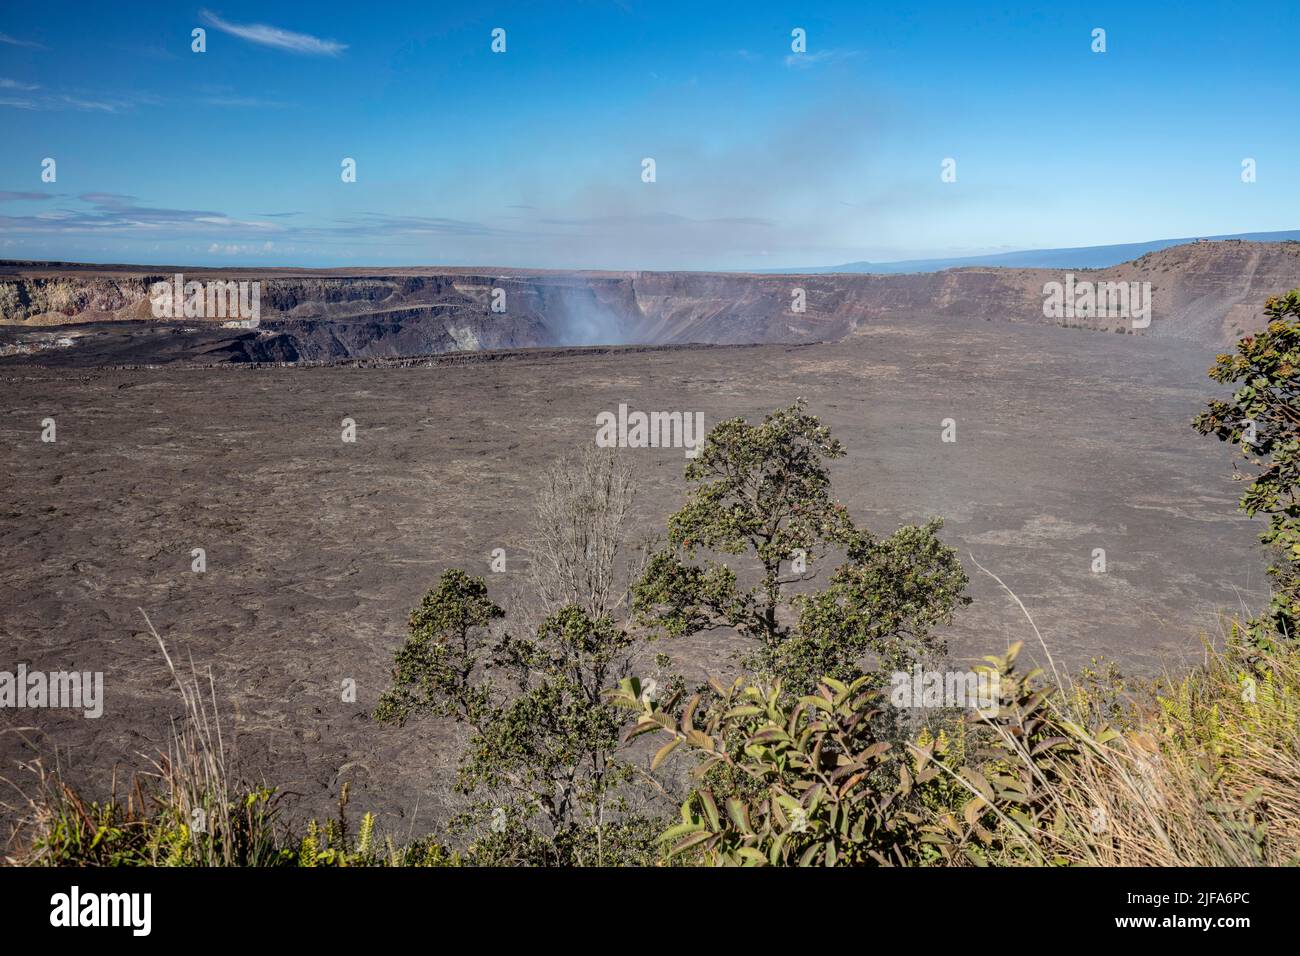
(583, 744)
(1202, 771)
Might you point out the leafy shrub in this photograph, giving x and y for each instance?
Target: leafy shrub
(1205, 772)
(816, 765)
(1263, 417)
(544, 744)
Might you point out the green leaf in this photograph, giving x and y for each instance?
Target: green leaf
(693, 840)
(710, 809)
(681, 829)
(662, 754)
(739, 815)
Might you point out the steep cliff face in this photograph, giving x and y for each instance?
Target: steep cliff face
(325, 317)
(1206, 292)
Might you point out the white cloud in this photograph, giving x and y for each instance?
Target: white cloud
(50, 100)
(280, 39)
(242, 223)
(804, 61)
(247, 102)
(14, 41)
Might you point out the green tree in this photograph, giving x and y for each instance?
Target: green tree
(1263, 417)
(543, 748)
(542, 767)
(436, 666)
(763, 491)
(885, 600)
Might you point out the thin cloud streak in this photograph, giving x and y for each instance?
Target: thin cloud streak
(14, 41)
(805, 61)
(275, 37)
(54, 102)
(244, 102)
(114, 212)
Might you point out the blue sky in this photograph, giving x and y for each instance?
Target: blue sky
(764, 157)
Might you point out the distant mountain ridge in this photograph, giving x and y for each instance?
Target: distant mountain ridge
(1078, 257)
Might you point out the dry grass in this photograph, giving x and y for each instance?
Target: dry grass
(186, 811)
(1203, 770)
(1207, 775)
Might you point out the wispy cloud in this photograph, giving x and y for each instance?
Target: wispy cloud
(805, 61)
(114, 217)
(276, 37)
(107, 199)
(92, 106)
(215, 94)
(659, 219)
(16, 85)
(125, 218)
(245, 102)
(116, 212)
(14, 41)
(239, 248)
(409, 226)
(7, 196)
(35, 98)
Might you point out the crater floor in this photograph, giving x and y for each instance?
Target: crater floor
(1067, 441)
